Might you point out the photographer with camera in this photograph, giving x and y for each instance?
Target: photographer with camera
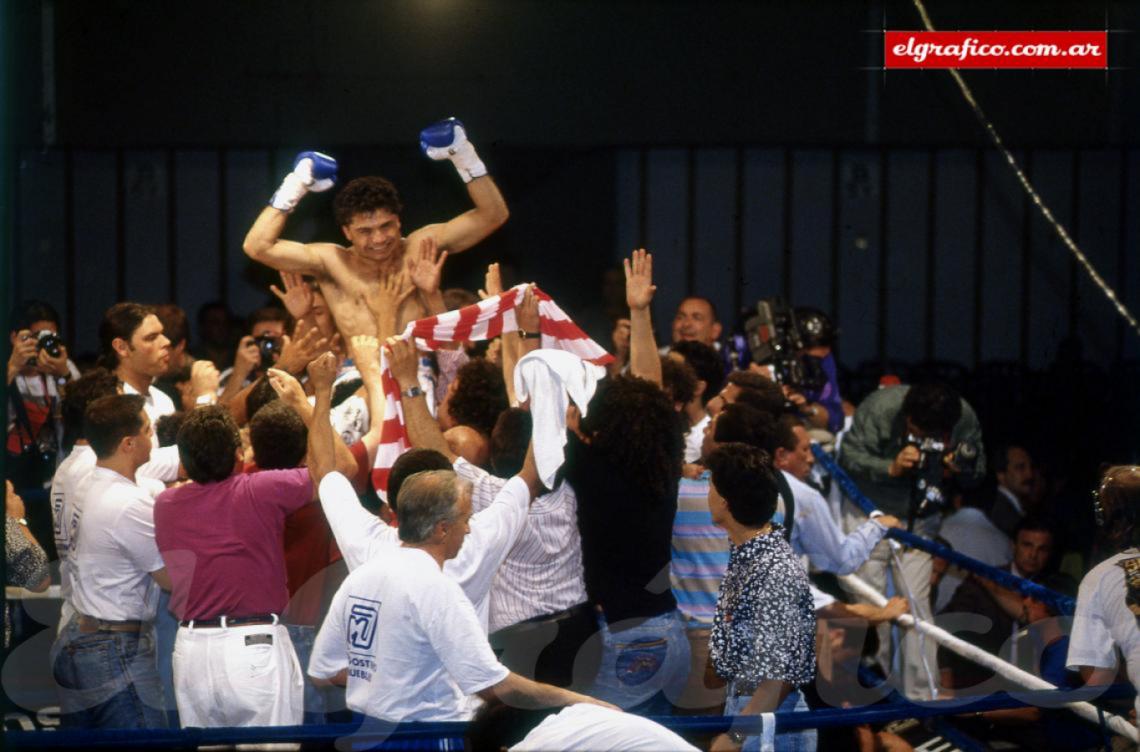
(37, 368)
(258, 351)
(907, 447)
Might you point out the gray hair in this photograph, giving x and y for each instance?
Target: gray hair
(426, 498)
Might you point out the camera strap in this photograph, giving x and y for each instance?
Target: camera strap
(23, 420)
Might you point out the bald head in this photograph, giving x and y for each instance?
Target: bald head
(427, 498)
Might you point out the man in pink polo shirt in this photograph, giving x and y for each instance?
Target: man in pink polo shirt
(221, 536)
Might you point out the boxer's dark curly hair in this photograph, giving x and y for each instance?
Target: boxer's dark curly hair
(480, 395)
(365, 195)
(632, 423)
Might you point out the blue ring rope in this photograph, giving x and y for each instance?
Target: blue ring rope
(1061, 603)
(421, 735)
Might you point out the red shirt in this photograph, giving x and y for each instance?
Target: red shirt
(223, 543)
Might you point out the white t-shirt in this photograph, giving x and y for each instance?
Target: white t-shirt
(67, 492)
(410, 639)
(114, 552)
(157, 404)
(596, 728)
(694, 438)
(1103, 623)
(361, 535)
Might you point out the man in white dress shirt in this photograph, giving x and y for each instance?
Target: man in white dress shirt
(816, 534)
(137, 351)
(104, 661)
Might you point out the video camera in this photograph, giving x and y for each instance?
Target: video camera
(929, 493)
(773, 337)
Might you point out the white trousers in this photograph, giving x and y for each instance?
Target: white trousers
(237, 676)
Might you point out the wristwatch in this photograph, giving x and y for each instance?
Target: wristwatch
(736, 737)
(524, 334)
(412, 392)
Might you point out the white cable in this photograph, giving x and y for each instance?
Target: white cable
(1085, 710)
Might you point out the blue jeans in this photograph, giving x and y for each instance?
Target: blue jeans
(303, 637)
(107, 679)
(798, 741)
(644, 667)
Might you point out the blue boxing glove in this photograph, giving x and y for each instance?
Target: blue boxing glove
(312, 171)
(448, 140)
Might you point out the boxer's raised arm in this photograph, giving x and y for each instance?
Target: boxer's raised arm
(447, 139)
(312, 171)
(263, 243)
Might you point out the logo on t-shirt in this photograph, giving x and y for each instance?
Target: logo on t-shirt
(362, 615)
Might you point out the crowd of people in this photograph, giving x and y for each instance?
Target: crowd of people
(484, 525)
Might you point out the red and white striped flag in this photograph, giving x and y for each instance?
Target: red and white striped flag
(486, 319)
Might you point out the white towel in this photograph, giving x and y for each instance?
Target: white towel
(550, 379)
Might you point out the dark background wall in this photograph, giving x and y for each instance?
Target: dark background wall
(755, 147)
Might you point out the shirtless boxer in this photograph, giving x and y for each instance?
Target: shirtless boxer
(365, 284)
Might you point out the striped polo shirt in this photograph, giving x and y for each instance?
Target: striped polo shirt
(700, 554)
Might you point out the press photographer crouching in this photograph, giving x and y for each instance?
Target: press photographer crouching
(907, 449)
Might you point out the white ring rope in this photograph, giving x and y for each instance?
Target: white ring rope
(1085, 710)
(1062, 233)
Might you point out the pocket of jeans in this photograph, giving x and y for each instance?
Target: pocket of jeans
(86, 663)
(640, 660)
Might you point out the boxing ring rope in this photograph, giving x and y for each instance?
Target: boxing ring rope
(1063, 604)
(1008, 671)
(1060, 602)
(366, 733)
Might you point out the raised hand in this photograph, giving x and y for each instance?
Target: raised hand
(297, 295)
(402, 361)
(204, 379)
(288, 389)
(322, 373)
(639, 287)
(492, 282)
(526, 312)
(425, 269)
(298, 351)
(365, 351)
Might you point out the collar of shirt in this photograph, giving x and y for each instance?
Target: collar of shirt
(1012, 499)
(148, 396)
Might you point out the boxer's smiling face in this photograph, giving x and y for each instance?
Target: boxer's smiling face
(375, 234)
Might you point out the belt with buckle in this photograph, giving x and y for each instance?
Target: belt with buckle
(229, 621)
(89, 624)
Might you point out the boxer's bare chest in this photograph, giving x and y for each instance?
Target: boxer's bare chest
(354, 293)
